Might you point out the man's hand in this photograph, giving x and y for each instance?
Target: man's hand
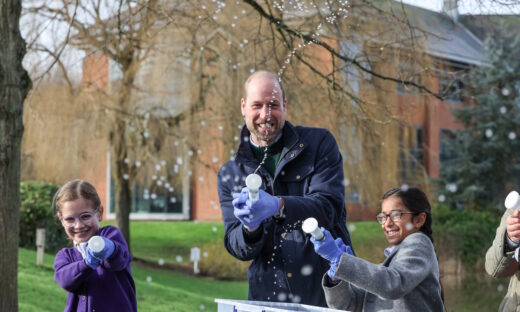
(107, 251)
(252, 213)
(513, 227)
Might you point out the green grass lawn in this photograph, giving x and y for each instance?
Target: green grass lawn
(174, 291)
(168, 240)
(167, 290)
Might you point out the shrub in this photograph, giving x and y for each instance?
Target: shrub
(467, 233)
(36, 212)
(217, 262)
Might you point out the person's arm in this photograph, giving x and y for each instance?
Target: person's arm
(240, 242)
(69, 273)
(121, 257)
(407, 269)
(325, 198)
(499, 257)
(342, 295)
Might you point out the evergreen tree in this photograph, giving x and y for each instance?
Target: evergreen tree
(484, 164)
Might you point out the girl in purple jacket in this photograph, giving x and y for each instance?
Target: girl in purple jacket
(96, 281)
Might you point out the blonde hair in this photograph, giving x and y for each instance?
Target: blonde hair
(74, 190)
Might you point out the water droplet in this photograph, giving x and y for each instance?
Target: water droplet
(489, 133)
(351, 227)
(307, 270)
(511, 135)
(503, 110)
(161, 261)
(442, 198)
(178, 258)
(149, 279)
(282, 297)
(505, 92)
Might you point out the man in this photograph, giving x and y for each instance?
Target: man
(302, 177)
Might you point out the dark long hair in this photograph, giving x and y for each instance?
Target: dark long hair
(416, 201)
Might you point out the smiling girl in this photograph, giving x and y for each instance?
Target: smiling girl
(408, 280)
(96, 281)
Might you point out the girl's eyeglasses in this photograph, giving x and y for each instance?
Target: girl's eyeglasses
(394, 215)
(85, 218)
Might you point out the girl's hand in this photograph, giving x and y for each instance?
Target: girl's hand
(91, 260)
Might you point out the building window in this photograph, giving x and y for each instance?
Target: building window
(451, 87)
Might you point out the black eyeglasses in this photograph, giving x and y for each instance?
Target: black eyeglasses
(394, 215)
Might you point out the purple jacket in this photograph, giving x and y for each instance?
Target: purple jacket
(109, 288)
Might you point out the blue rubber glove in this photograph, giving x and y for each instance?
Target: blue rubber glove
(344, 249)
(327, 247)
(91, 260)
(240, 210)
(264, 207)
(107, 251)
(239, 199)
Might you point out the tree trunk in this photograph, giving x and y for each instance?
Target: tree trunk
(14, 85)
(122, 192)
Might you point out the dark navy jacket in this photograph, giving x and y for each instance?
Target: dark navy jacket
(309, 178)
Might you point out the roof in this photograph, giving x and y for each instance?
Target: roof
(444, 37)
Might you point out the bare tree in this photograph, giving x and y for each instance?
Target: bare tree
(14, 86)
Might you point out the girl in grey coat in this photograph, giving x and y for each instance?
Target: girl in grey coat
(408, 280)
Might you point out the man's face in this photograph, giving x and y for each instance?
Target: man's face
(263, 109)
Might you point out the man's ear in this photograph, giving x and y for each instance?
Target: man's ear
(243, 106)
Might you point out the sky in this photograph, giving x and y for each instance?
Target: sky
(472, 6)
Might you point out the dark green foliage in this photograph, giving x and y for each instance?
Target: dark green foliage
(467, 233)
(484, 165)
(36, 212)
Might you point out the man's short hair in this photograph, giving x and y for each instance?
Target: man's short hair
(264, 73)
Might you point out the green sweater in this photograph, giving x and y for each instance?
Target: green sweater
(274, 152)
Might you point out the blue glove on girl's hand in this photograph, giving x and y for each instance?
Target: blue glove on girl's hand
(91, 260)
(327, 247)
(107, 251)
(345, 249)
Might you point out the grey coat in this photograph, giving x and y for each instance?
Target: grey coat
(408, 280)
(500, 263)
